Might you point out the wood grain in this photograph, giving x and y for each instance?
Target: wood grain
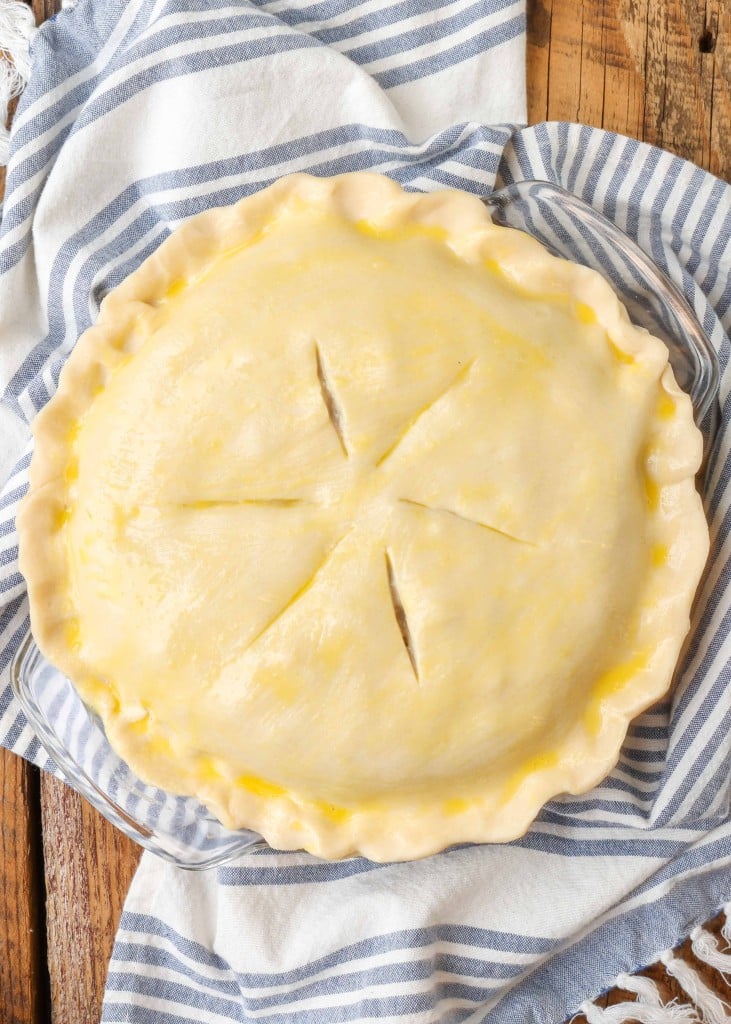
(23, 982)
(89, 866)
(44, 9)
(658, 70)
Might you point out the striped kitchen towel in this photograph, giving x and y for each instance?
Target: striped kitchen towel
(140, 114)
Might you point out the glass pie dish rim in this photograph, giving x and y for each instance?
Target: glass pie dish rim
(28, 656)
(24, 661)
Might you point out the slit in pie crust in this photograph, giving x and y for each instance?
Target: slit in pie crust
(363, 520)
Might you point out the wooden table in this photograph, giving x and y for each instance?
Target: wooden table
(659, 70)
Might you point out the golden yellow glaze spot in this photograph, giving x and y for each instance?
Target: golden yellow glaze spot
(538, 764)
(666, 407)
(456, 805)
(333, 813)
(620, 355)
(400, 233)
(652, 493)
(260, 787)
(208, 769)
(610, 683)
(160, 746)
(493, 267)
(61, 517)
(176, 288)
(659, 555)
(140, 726)
(585, 314)
(72, 634)
(617, 678)
(71, 473)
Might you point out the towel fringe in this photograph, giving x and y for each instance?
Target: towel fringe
(707, 1008)
(706, 948)
(726, 929)
(649, 1008)
(645, 989)
(713, 1009)
(17, 28)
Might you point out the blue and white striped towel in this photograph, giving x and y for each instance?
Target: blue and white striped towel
(141, 113)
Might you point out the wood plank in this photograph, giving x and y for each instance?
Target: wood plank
(43, 9)
(715, 44)
(657, 70)
(689, 102)
(624, 59)
(89, 866)
(23, 982)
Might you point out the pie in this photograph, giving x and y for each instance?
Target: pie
(366, 522)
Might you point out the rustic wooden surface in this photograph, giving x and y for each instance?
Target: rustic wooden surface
(23, 979)
(659, 70)
(88, 869)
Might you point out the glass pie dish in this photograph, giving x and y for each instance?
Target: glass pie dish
(181, 829)
(178, 829)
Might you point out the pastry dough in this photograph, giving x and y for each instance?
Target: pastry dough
(365, 521)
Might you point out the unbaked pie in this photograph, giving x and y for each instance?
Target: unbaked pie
(365, 521)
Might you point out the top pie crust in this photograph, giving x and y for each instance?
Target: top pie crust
(366, 521)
